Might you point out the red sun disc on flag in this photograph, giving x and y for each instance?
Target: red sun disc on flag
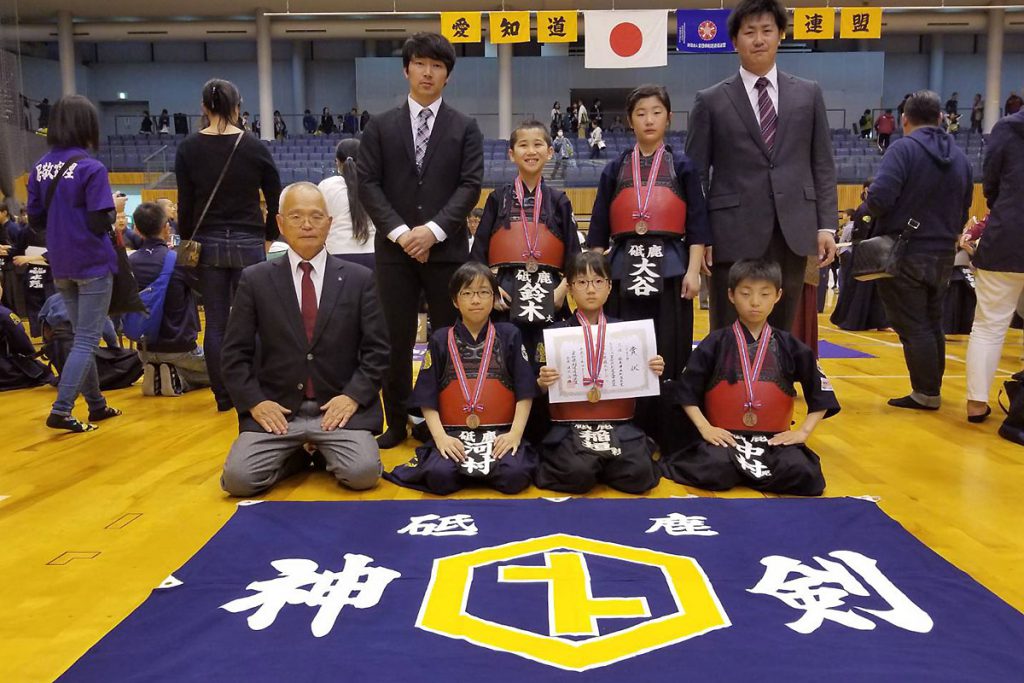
(626, 39)
(707, 30)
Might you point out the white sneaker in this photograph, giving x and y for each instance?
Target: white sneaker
(150, 380)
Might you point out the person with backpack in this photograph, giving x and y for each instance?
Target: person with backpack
(173, 359)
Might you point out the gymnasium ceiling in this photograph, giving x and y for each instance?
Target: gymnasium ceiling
(36, 11)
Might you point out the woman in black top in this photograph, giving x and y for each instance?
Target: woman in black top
(234, 233)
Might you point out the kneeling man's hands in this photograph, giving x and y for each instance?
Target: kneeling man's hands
(337, 412)
(271, 416)
(450, 448)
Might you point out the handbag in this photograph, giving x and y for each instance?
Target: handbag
(124, 293)
(880, 257)
(188, 250)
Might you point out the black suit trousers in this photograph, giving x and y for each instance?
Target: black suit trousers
(400, 285)
(793, 268)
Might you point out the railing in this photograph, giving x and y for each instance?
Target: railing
(155, 167)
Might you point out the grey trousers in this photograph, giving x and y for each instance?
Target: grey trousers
(191, 366)
(258, 460)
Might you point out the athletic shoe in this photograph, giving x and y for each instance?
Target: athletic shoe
(170, 383)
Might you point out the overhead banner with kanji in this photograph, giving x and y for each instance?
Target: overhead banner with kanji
(651, 590)
(814, 23)
(703, 30)
(860, 22)
(557, 27)
(509, 27)
(461, 27)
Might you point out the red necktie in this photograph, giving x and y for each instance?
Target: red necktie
(766, 112)
(309, 308)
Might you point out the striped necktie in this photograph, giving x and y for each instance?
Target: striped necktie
(766, 113)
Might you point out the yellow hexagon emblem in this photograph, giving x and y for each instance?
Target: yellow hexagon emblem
(572, 608)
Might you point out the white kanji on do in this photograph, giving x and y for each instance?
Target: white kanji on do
(809, 592)
(357, 585)
(435, 525)
(678, 524)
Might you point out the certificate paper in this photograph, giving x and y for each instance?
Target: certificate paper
(629, 346)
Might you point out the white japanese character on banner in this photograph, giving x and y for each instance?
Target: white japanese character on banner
(643, 279)
(636, 250)
(678, 524)
(655, 251)
(598, 438)
(820, 602)
(747, 455)
(357, 585)
(435, 525)
(35, 278)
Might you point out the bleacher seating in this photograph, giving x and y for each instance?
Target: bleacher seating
(312, 157)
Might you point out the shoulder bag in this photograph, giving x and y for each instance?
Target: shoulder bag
(188, 250)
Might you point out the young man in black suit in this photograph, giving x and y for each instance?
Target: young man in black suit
(323, 353)
(420, 169)
(760, 140)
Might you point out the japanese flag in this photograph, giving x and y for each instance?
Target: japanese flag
(626, 40)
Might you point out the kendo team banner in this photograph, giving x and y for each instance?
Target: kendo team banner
(515, 590)
(703, 30)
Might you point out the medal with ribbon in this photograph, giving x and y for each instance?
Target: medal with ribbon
(643, 200)
(532, 253)
(751, 374)
(595, 354)
(473, 408)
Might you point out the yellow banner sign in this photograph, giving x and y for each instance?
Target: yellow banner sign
(814, 23)
(509, 27)
(461, 27)
(860, 22)
(557, 27)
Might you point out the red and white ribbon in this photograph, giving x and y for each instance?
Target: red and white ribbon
(644, 200)
(472, 404)
(595, 353)
(750, 374)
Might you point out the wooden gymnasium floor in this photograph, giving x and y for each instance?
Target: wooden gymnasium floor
(91, 523)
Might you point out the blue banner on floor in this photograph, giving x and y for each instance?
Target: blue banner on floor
(539, 590)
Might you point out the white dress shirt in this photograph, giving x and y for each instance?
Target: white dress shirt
(340, 239)
(749, 84)
(316, 275)
(414, 115)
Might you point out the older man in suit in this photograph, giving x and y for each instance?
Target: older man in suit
(420, 169)
(761, 141)
(322, 354)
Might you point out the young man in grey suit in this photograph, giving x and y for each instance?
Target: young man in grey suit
(760, 139)
(420, 169)
(323, 351)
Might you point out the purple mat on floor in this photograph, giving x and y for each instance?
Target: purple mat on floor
(827, 349)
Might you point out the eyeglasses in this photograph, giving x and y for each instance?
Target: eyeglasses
(596, 283)
(482, 294)
(298, 219)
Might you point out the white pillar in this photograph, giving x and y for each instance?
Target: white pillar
(994, 69)
(264, 64)
(298, 79)
(937, 65)
(66, 49)
(504, 90)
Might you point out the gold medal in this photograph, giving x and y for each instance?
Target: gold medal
(641, 227)
(749, 418)
(473, 421)
(532, 266)
(594, 395)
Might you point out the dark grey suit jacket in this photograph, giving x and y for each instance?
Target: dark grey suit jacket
(447, 189)
(348, 355)
(747, 189)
